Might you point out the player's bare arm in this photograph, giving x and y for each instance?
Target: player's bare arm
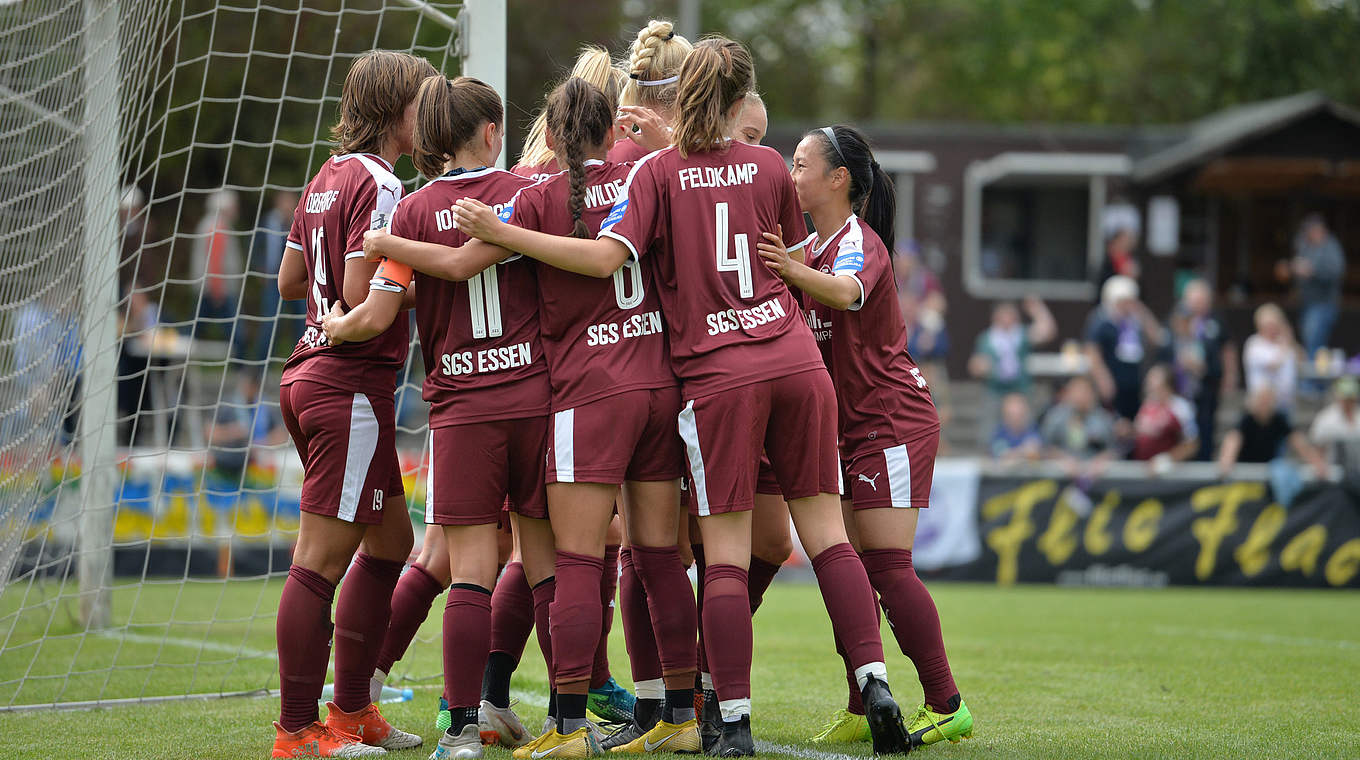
(358, 274)
(367, 320)
(840, 292)
(436, 260)
(592, 258)
(293, 275)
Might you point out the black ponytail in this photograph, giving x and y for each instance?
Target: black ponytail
(872, 196)
(579, 117)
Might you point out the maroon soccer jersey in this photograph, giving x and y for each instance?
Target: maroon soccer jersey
(882, 397)
(625, 150)
(479, 338)
(696, 221)
(350, 195)
(536, 173)
(601, 336)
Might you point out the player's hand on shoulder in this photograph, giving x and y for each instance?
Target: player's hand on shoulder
(373, 244)
(328, 322)
(475, 219)
(774, 253)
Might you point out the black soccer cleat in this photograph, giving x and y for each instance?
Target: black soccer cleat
(710, 721)
(885, 719)
(734, 739)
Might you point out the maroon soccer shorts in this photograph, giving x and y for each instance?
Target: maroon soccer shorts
(474, 467)
(627, 436)
(792, 417)
(766, 482)
(347, 443)
(898, 476)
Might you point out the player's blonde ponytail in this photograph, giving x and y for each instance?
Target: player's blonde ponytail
(594, 66)
(656, 56)
(715, 76)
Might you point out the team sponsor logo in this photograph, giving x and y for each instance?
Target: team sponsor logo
(636, 326)
(487, 360)
(849, 261)
(821, 328)
(504, 211)
(615, 214)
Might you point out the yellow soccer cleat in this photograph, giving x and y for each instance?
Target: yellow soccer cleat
(577, 744)
(844, 727)
(681, 739)
(929, 727)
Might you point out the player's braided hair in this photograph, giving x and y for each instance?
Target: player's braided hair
(715, 76)
(450, 113)
(871, 189)
(592, 65)
(378, 88)
(579, 117)
(657, 54)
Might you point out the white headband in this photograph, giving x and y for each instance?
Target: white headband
(658, 82)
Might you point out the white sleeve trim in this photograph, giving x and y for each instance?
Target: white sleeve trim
(859, 302)
(294, 246)
(359, 254)
(801, 244)
(632, 252)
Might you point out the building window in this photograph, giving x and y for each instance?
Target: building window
(1032, 223)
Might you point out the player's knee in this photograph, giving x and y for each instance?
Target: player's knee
(774, 549)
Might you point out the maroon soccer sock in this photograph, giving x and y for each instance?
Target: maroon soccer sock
(699, 567)
(467, 641)
(850, 603)
(543, 593)
(609, 581)
(361, 616)
(411, 600)
(575, 616)
(637, 622)
(670, 601)
(761, 576)
(915, 621)
(855, 703)
(303, 632)
(512, 612)
(727, 631)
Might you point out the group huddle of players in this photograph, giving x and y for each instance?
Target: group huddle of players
(628, 309)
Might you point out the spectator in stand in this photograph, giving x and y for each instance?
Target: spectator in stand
(928, 344)
(1120, 245)
(1077, 428)
(217, 267)
(1260, 438)
(1336, 428)
(1120, 334)
(1318, 269)
(913, 277)
(1270, 358)
(1016, 439)
(1164, 430)
(1204, 359)
(243, 421)
(1001, 352)
(267, 254)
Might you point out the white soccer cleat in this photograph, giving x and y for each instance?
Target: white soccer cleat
(465, 746)
(505, 722)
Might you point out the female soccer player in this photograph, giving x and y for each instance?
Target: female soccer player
(337, 402)
(647, 99)
(537, 160)
(487, 385)
(751, 372)
(888, 425)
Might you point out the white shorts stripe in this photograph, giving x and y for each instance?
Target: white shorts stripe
(689, 432)
(840, 478)
(429, 484)
(564, 454)
(363, 443)
(898, 475)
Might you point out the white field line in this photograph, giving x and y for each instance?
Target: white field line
(177, 641)
(804, 752)
(1268, 639)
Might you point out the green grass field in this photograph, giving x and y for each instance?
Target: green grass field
(1048, 672)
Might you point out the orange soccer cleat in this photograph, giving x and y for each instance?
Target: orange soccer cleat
(320, 740)
(370, 727)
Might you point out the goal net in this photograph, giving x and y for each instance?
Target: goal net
(151, 152)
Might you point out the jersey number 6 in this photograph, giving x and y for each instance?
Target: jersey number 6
(740, 261)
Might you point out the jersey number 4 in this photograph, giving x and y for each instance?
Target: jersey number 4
(740, 260)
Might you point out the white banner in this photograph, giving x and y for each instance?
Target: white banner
(947, 533)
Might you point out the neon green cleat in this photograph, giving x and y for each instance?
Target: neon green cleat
(844, 727)
(929, 727)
